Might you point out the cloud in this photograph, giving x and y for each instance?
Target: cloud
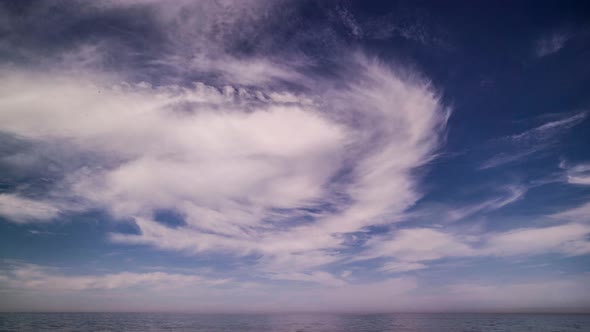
(569, 239)
(579, 179)
(532, 141)
(551, 44)
(505, 158)
(513, 193)
(36, 277)
(410, 248)
(418, 244)
(15, 208)
(395, 267)
(410, 24)
(227, 158)
(577, 174)
(549, 129)
(44, 288)
(579, 214)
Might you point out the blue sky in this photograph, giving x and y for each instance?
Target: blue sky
(219, 156)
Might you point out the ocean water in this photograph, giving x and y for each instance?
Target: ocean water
(151, 322)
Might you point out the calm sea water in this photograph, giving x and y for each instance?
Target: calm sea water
(149, 322)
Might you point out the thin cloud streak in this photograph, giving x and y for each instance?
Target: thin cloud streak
(532, 141)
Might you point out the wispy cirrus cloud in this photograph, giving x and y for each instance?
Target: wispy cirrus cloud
(238, 158)
(579, 214)
(531, 141)
(412, 248)
(512, 194)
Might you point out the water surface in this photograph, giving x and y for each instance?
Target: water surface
(152, 322)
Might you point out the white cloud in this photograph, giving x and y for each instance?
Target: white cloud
(45, 288)
(532, 141)
(505, 158)
(549, 129)
(579, 179)
(18, 209)
(577, 174)
(569, 239)
(170, 157)
(199, 42)
(394, 266)
(579, 214)
(35, 277)
(241, 158)
(225, 158)
(411, 247)
(418, 244)
(513, 193)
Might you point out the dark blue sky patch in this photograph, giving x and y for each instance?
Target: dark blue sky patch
(169, 218)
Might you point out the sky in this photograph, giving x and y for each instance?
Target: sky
(264, 156)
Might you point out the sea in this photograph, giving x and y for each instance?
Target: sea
(152, 322)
